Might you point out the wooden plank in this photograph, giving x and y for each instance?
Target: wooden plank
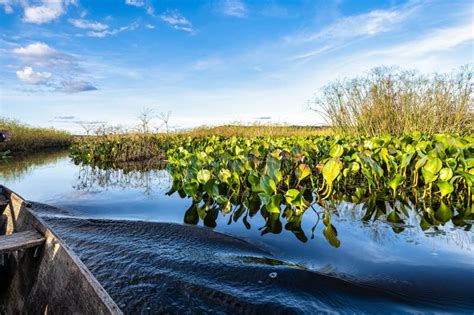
(20, 240)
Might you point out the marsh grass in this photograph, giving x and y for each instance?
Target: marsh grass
(119, 148)
(257, 130)
(26, 139)
(387, 101)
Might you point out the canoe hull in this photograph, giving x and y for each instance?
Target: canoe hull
(49, 279)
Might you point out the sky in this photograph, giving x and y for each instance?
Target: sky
(64, 63)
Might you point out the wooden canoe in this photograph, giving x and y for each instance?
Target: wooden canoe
(38, 273)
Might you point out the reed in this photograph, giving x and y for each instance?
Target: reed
(257, 130)
(388, 101)
(27, 139)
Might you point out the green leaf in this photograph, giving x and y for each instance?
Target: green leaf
(274, 205)
(444, 213)
(302, 172)
(294, 197)
(203, 176)
(395, 182)
(267, 185)
(445, 188)
(393, 217)
(445, 174)
(264, 198)
(428, 176)
(211, 188)
(336, 151)
(331, 170)
(224, 175)
(433, 165)
(190, 188)
(330, 233)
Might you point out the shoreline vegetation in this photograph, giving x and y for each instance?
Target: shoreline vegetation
(25, 139)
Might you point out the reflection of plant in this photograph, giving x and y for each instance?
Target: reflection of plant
(4, 155)
(20, 166)
(142, 176)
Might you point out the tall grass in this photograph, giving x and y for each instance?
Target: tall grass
(387, 101)
(257, 130)
(26, 139)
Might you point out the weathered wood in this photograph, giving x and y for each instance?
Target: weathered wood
(51, 280)
(20, 240)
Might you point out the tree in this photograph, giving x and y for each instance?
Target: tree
(165, 118)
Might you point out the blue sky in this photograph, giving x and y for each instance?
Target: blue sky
(210, 62)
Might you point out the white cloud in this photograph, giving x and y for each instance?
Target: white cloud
(41, 54)
(27, 75)
(87, 24)
(312, 53)
(150, 26)
(47, 11)
(7, 6)
(205, 64)
(233, 8)
(438, 40)
(76, 86)
(367, 24)
(141, 4)
(35, 50)
(135, 3)
(105, 33)
(176, 20)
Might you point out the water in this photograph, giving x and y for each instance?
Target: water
(132, 237)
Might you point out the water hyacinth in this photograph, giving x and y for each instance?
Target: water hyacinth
(285, 176)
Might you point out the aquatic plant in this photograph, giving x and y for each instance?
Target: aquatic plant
(285, 176)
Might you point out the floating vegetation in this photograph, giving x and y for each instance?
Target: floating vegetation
(286, 176)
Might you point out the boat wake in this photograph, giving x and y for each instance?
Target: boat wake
(150, 267)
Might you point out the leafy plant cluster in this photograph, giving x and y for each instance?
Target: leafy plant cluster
(289, 174)
(285, 176)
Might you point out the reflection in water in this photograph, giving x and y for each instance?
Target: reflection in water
(20, 166)
(95, 179)
(373, 217)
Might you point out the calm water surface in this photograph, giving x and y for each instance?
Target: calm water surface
(132, 236)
